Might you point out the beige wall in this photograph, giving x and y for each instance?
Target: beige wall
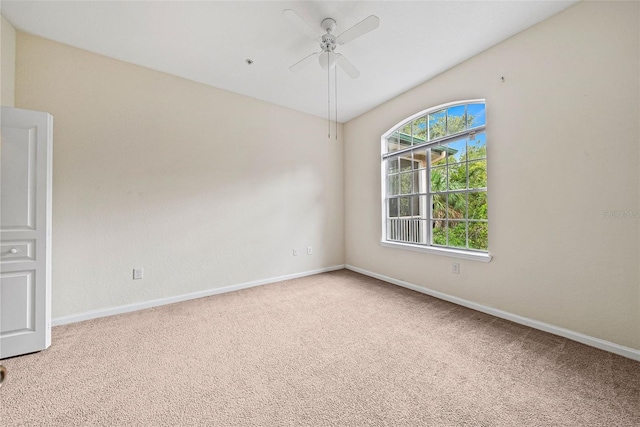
(563, 142)
(8, 62)
(201, 187)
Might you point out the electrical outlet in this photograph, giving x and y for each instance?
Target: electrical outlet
(137, 273)
(295, 252)
(455, 268)
(309, 250)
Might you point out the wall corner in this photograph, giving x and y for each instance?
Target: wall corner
(8, 63)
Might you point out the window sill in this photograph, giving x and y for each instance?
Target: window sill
(454, 253)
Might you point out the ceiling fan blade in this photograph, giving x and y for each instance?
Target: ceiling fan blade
(347, 66)
(302, 25)
(303, 62)
(363, 27)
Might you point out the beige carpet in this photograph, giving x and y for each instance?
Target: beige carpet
(336, 349)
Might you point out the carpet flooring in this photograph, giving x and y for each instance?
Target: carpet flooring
(335, 349)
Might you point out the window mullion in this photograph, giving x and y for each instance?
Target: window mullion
(438, 141)
(466, 215)
(429, 199)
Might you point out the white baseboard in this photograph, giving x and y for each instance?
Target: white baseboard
(566, 333)
(94, 314)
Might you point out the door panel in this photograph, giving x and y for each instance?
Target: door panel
(17, 307)
(17, 250)
(25, 231)
(18, 179)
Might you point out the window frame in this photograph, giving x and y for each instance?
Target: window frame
(468, 254)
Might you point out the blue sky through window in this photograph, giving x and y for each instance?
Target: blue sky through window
(477, 111)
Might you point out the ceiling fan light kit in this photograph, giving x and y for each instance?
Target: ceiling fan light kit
(327, 60)
(327, 57)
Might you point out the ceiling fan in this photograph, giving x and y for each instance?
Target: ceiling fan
(327, 57)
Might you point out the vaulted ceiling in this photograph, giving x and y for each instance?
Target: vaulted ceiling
(210, 41)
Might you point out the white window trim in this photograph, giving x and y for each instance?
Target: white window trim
(453, 253)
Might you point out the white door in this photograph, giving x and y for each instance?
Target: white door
(25, 231)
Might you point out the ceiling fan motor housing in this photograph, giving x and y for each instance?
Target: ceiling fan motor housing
(328, 42)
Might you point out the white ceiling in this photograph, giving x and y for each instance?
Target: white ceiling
(209, 41)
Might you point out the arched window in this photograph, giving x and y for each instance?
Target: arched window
(434, 167)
